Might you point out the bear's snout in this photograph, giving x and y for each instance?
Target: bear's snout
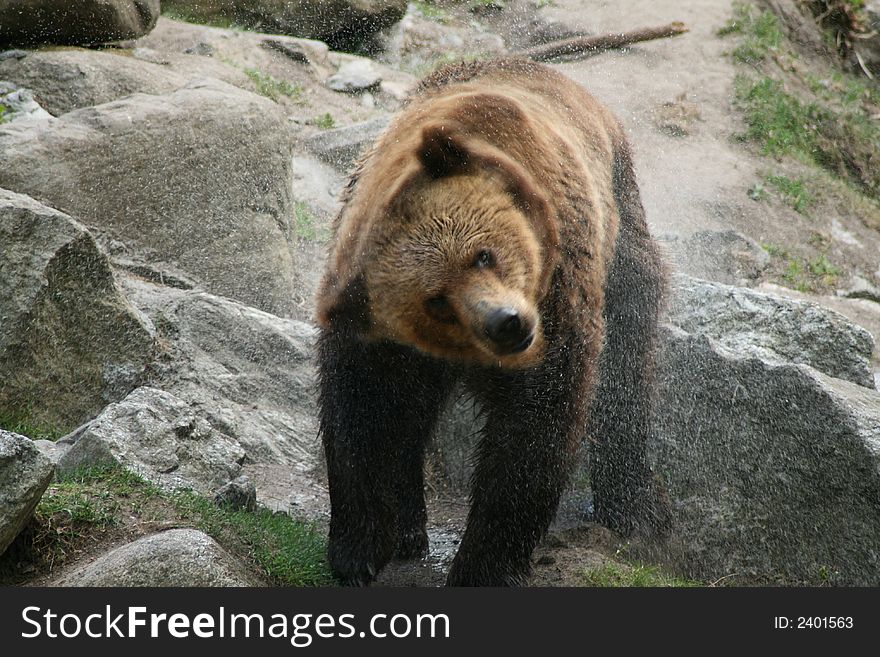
(508, 330)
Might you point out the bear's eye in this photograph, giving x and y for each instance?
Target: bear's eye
(438, 308)
(484, 259)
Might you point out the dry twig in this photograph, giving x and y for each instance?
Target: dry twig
(593, 45)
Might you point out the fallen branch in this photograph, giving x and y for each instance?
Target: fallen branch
(593, 45)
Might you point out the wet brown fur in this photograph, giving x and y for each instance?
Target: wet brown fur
(512, 155)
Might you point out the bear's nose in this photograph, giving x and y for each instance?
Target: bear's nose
(508, 331)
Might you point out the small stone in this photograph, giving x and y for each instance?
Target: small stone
(13, 54)
(20, 105)
(201, 48)
(397, 90)
(676, 117)
(340, 147)
(354, 77)
(240, 493)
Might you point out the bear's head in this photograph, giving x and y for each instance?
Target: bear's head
(453, 257)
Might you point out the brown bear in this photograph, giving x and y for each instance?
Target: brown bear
(494, 235)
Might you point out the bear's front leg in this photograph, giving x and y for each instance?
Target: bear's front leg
(534, 421)
(378, 404)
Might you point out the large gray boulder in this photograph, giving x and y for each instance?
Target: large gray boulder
(177, 557)
(343, 24)
(32, 22)
(69, 340)
(773, 328)
(160, 437)
(71, 78)
(767, 440)
(199, 179)
(341, 147)
(24, 475)
(773, 469)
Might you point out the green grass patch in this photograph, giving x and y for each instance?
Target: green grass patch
(306, 224)
(778, 121)
(431, 11)
(633, 575)
(290, 553)
(845, 143)
(804, 274)
(20, 422)
(758, 192)
(75, 512)
(187, 12)
(477, 6)
(104, 505)
(772, 249)
(761, 31)
(274, 88)
(793, 191)
(2, 113)
(846, 90)
(324, 121)
(824, 118)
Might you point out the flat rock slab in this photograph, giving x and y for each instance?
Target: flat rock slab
(177, 557)
(71, 78)
(773, 328)
(24, 475)
(160, 437)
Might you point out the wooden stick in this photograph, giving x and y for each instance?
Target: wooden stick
(593, 45)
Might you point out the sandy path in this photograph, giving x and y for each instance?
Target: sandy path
(688, 183)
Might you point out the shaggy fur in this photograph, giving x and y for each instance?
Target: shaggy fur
(501, 185)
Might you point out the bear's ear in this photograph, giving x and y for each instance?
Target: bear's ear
(528, 196)
(442, 152)
(344, 306)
